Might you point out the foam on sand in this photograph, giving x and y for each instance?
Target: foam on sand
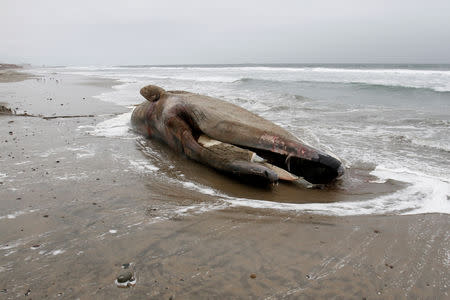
(18, 213)
(424, 194)
(115, 127)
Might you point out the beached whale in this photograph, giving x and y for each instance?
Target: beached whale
(229, 138)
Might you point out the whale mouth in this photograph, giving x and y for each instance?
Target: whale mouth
(325, 169)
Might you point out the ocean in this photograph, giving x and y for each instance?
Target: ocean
(390, 122)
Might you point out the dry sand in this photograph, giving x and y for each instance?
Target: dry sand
(73, 214)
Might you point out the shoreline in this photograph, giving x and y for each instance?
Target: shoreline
(12, 75)
(74, 212)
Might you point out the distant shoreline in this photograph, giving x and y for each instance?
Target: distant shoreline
(11, 75)
(9, 66)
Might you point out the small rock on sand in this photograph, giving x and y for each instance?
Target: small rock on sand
(126, 266)
(125, 280)
(124, 277)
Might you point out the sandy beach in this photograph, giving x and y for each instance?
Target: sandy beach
(78, 209)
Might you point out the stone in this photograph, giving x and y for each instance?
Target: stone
(125, 266)
(5, 110)
(124, 277)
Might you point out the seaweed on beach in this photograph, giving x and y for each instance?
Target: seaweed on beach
(5, 110)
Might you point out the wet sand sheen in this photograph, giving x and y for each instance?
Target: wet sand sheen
(76, 207)
(358, 184)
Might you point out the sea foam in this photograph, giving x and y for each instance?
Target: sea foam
(118, 126)
(437, 80)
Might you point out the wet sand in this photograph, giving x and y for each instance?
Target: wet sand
(76, 208)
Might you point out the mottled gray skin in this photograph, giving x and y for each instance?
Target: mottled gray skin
(178, 118)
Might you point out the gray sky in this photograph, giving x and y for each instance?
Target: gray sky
(109, 32)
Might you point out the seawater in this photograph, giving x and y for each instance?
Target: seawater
(391, 119)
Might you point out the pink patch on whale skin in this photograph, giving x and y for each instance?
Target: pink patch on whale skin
(149, 131)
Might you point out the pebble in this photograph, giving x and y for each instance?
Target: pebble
(124, 277)
(125, 280)
(126, 266)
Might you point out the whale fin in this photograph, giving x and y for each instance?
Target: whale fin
(183, 140)
(152, 92)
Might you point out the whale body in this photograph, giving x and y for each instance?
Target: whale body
(230, 139)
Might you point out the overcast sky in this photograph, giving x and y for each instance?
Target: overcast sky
(109, 32)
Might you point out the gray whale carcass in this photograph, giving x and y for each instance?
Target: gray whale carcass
(230, 139)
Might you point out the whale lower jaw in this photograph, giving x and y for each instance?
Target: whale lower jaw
(286, 168)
